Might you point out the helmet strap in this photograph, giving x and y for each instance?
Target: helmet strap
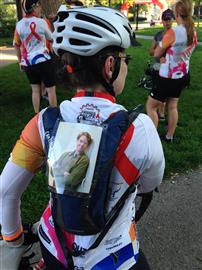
(109, 85)
(117, 66)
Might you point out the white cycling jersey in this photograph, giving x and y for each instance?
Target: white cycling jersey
(143, 157)
(30, 35)
(178, 53)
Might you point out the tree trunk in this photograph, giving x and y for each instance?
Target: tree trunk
(19, 9)
(50, 7)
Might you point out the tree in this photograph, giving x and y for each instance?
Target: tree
(50, 7)
(198, 6)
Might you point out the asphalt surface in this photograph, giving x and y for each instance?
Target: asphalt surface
(7, 56)
(171, 230)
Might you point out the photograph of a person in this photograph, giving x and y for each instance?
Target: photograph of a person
(72, 166)
(72, 157)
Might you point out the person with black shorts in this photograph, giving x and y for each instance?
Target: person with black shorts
(174, 51)
(167, 20)
(34, 57)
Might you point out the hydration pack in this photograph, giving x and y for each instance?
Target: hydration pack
(78, 211)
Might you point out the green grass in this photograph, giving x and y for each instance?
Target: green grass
(16, 110)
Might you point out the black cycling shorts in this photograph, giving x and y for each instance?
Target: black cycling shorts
(42, 72)
(164, 88)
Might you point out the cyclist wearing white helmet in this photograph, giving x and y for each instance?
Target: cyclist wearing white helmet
(91, 43)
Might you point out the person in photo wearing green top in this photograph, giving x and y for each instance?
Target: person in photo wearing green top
(71, 167)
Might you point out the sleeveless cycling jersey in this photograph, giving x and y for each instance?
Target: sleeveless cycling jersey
(30, 35)
(178, 53)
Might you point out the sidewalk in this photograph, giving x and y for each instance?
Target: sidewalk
(7, 56)
(171, 229)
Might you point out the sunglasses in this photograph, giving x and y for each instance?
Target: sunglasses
(126, 58)
(120, 55)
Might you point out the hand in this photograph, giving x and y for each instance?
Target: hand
(162, 60)
(22, 68)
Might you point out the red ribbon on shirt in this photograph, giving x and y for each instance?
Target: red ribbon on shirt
(33, 33)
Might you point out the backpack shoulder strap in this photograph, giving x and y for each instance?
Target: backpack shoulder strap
(132, 115)
(51, 118)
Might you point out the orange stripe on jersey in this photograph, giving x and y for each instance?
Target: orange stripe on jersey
(28, 151)
(168, 39)
(14, 236)
(125, 167)
(132, 232)
(16, 40)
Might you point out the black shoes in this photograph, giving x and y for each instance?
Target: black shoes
(165, 139)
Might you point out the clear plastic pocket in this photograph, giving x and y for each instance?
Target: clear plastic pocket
(72, 157)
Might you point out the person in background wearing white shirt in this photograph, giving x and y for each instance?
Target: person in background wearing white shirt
(30, 38)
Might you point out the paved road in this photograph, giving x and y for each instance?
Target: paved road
(171, 230)
(7, 56)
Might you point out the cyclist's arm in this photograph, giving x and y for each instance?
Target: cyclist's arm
(27, 157)
(167, 41)
(152, 48)
(17, 44)
(149, 156)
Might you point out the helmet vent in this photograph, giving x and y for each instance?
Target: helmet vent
(74, 41)
(60, 29)
(130, 26)
(59, 39)
(127, 29)
(93, 21)
(62, 16)
(86, 31)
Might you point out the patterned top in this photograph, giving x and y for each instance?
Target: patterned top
(30, 35)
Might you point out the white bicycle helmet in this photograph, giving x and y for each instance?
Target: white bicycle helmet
(85, 31)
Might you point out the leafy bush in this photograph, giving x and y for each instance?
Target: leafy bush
(7, 28)
(7, 19)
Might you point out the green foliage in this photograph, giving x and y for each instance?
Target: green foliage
(7, 28)
(7, 11)
(7, 41)
(7, 19)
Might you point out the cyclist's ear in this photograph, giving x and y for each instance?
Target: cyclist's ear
(108, 68)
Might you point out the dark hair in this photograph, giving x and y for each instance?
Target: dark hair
(84, 71)
(184, 9)
(167, 14)
(29, 4)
